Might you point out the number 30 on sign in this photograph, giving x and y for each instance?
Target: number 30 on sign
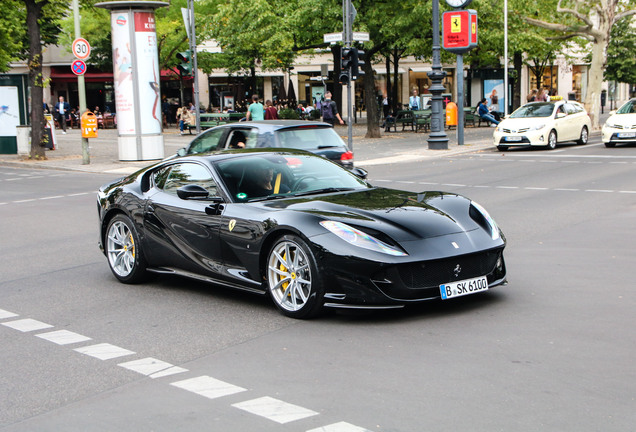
(81, 48)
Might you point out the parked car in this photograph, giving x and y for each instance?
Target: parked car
(316, 137)
(543, 124)
(299, 228)
(620, 127)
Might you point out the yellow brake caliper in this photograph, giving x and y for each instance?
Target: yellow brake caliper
(132, 245)
(283, 268)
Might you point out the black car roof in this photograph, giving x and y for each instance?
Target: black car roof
(277, 124)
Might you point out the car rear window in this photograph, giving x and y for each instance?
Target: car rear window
(308, 138)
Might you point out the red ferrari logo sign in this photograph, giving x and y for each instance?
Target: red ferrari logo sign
(459, 30)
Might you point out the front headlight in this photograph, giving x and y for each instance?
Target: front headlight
(360, 239)
(537, 127)
(613, 126)
(494, 229)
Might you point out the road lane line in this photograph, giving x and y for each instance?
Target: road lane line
(275, 410)
(6, 314)
(208, 387)
(63, 337)
(340, 427)
(152, 367)
(27, 325)
(104, 351)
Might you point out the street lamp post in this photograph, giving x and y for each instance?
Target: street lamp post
(437, 140)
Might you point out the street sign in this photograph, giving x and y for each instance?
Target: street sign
(81, 48)
(459, 30)
(78, 67)
(361, 36)
(333, 37)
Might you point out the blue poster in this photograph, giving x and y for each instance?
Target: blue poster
(494, 87)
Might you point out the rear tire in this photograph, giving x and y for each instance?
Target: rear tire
(123, 250)
(584, 136)
(293, 281)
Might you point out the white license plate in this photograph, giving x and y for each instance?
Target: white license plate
(513, 138)
(462, 288)
(627, 135)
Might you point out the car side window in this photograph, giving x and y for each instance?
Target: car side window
(186, 174)
(159, 177)
(561, 109)
(207, 142)
(570, 108)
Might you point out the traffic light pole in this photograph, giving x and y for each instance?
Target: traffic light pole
(348, 40)
(437, 140)
(195, 74)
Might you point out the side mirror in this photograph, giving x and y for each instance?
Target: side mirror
(192, 191)
(560, 115)
(359, 172)
(182, 152)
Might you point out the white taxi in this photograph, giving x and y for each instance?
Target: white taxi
(620, 127)
(543, 124)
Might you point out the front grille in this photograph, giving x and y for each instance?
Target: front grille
(522, 130)
(427, 274)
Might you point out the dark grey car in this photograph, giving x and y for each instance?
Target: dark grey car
(316, 137)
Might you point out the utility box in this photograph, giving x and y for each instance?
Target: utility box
(89, 125)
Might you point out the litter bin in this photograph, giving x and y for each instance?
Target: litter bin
(451, 114)
(89, 125)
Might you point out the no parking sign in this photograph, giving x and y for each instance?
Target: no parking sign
(78, 67)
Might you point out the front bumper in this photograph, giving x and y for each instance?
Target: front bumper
(528, 138)
(617, 136)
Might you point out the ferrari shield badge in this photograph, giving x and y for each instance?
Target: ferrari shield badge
(232, 224)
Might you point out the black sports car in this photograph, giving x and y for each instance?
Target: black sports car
(316, 137)
(299, 227)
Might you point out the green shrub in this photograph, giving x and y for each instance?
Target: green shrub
(288, 113)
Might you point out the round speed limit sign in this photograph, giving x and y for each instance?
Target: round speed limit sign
(81, 48)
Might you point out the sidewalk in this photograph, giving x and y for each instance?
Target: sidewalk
(393, 147)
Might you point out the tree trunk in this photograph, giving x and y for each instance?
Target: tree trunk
(595, 76)
(35, 78)
(373, 129)
(518, 98)
(389, 86)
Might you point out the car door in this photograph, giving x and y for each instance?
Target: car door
(561, 124)
(183, 233)
(577, 119)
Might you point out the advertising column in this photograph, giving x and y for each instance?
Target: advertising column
(136, 76)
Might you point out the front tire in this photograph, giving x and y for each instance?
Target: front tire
(610, 144)
(552, 140)
(502, 148)
(584, 136)
(292, 276)
(123, 250)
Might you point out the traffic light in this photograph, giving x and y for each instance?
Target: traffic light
(346, 63)
(357, 63)
(185, 68)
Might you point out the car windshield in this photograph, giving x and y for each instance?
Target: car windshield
(628, 108)
(269, 176)
(309, 138)
(540, 109)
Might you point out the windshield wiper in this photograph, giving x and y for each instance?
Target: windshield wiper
(269, 197)
(327, 146)
(324, 190)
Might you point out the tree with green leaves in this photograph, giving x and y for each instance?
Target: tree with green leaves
(591, 20)
(621, 61)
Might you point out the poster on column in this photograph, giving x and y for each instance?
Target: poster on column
(495, 87)
(148, 77)
(122, 72)
(9, 111)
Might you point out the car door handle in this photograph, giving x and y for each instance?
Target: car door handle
(150, 209)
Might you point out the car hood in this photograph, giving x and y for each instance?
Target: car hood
(622, 120)
(515, 124)
(404, 216)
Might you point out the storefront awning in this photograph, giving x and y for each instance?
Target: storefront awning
(224, 74)
(382, 70)
(421, 69)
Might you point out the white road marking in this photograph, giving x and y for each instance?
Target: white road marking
(52, 197)
(27, 325)
(567, 189)
(6, 314)
(340, 427)
(627, 192)
(275, 410)
(599, 190)
(63, 337)
(208, 387)
(151, 366)
(24, 201)
(104, 351)
(535, 188)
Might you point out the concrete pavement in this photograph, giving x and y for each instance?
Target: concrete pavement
(392, 147)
